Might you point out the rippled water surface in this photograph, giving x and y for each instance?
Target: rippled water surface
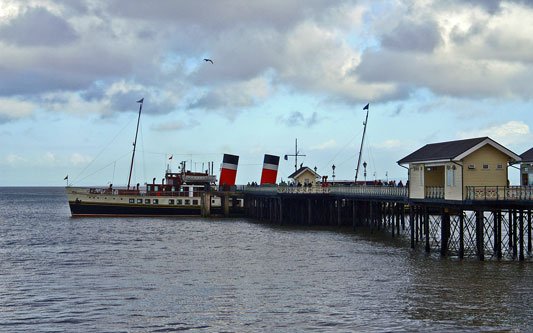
(59, 273)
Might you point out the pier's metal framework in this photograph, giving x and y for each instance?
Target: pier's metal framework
(484, 228)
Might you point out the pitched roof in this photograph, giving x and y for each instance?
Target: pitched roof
(527, 156)
(298, 172)
(453, 150)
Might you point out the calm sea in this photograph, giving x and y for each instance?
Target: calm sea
(59, 273)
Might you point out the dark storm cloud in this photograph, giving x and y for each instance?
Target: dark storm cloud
(126, 102)
(95, 92)
(493, 6)
(413, 37)
(36, 80)
(218, 14)
(37, 27)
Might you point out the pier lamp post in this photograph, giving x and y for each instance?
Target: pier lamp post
(333, 167)
(364, 166)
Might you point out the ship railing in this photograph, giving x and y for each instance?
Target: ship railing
(499, 193)
(126, 192)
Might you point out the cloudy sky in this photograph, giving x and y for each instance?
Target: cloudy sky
(71, 72)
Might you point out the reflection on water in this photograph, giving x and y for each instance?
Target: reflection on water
(138, 275)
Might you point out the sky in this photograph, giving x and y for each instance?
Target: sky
(71, 72)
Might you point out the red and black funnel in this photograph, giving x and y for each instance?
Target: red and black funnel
(270, 169)
(229, 170)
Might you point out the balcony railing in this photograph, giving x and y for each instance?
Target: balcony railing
(434, 192)
(499, 193)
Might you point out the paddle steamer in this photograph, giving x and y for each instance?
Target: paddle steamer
(178, 194)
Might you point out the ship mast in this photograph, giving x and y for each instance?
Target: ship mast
(135, 142)
(362, 140)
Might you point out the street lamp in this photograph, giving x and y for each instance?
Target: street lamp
(333, 167)
(364, 166)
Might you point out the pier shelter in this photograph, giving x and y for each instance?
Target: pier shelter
(445, 170)
(526, 168)
(305, 176)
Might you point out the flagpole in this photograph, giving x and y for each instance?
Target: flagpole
(367, 107)
(135, 142)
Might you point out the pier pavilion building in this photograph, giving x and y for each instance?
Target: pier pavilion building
(447, 170)
(304, 176)
(526, 168)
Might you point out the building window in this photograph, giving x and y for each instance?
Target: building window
(146, 201)
(179, 202)
(471, 166)
(156, 201)
(485, 166)
(170, 201)
(132, 200)
(500, 167)
(453, 176)
(195, 202)
(448, 177)
(422, 178)
(139, 200)
(187, 201)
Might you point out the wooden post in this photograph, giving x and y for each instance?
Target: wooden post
(529, 230)
(225, 197)
(426, 228)
(498, 233)
(280, 211)
(515, 235)
(354, 218)
(417, 214)
(402, 216)
(521, 235)
(309, 212)
(461, 234)
(412, 225)
(371, 213)
(397, 219)
(480, 242)
(339, 212)
(392, 211)
(444, 233)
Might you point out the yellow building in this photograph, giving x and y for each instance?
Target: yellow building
(444, 170)
(304, 176)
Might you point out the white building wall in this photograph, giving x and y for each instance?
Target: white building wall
(453, 181)
(416, 181)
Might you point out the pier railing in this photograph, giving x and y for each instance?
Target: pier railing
(370, 191)
(499, 193)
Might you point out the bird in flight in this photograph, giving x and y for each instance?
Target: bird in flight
(208, 60)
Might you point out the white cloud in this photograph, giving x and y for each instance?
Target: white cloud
(77, 159)
(511, 132)
(389, 144)
(330, 144)
(12, 109)
(14, 159)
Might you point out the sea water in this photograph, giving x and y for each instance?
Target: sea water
(64, 274)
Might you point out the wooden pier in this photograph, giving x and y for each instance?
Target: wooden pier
(493, 222)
